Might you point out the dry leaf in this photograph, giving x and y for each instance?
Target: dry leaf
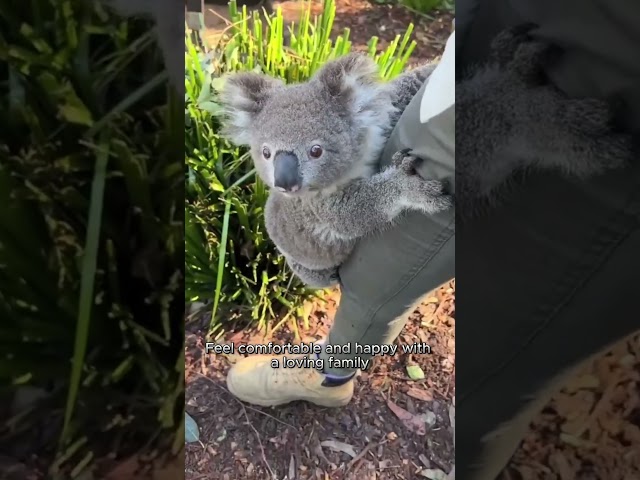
(420, 394)
(582, 382)
(415, 423)
(292, 469)
(576, 442)
(558, 462)
(340, 447)
(433, 474)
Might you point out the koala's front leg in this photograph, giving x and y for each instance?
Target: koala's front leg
(370, 204)
(508, 119)
(573, 135)
(315, 278)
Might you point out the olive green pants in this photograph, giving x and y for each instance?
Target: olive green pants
(549, 279)
(390, 272)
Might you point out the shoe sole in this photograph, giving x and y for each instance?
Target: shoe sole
(329, 402)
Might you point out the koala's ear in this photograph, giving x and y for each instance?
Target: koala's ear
(355, 80)
(242, 97)
(353, 71)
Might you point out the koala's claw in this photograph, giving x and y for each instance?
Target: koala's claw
(530, 59)
(427, 195)
(399, 156)
(516, 50)
(432, 196)
(406, 162)
(315, 278)
(506, 43)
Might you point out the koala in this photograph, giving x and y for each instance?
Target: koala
(316, 146)
(510, 119)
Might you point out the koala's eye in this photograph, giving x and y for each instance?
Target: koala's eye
(266, 153)
(316, 151)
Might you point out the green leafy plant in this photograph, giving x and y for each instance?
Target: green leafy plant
(91, 232)
(230, 259)
(427, 6)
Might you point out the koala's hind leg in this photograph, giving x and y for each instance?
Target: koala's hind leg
(315, 278)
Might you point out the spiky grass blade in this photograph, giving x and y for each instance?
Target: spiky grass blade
(87, 281)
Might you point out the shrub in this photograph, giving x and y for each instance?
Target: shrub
(91, 229)
(229, 257)
(427, 6)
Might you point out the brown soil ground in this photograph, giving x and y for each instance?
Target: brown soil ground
(591, 429)
(365, 20)
(386, 442)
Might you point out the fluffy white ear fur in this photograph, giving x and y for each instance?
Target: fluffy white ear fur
(354, 79)
(242, 97)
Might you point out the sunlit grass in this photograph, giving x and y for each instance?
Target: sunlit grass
(91, 230)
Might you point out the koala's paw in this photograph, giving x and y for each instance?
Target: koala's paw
(406, 162)
(593, 116)
(426, 195)
(504, 45)
(584, 141)
(515, 50)
(429, 196)
(320, 278)
(530, 59)
(324, 280)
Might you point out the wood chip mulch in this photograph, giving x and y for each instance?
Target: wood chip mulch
(394, 428)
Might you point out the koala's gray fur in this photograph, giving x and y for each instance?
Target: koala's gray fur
(340, 198)
(508, 119)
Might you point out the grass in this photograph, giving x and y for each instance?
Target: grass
(87, 283)
(91, 234)
(423, 7)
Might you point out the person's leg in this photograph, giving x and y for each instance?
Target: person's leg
(547, 280)
(523, 327)
(385, 276)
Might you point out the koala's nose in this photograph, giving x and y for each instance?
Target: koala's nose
(286, 172)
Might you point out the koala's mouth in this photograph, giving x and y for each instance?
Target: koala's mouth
(292, 192)
(305, 190)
